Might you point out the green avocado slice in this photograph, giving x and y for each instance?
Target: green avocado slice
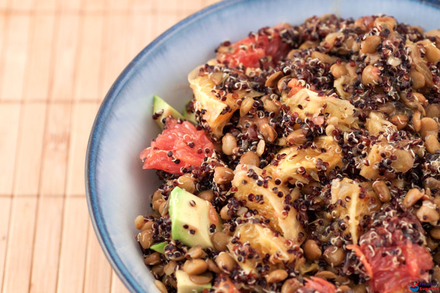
(159, 247)
(191, 117)
(162, 109)
(185, 285)
(191, 218)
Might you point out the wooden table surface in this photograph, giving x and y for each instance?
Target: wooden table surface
(58, 59)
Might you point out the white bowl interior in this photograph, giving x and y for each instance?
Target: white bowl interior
(123, 189)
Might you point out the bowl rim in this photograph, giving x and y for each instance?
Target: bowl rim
(96, 131)
(105, 108)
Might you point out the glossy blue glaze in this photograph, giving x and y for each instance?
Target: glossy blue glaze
(117, 188)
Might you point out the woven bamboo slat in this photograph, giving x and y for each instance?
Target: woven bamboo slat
(58, 58)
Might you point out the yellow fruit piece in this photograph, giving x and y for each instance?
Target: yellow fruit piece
(298, 164)
(263, 195)
(350, 206)
(368, 169)
(420, 62)
(339, 85)
(216, 112)
(309, 104)
(260, 240)
(403, 163)
(377, 124)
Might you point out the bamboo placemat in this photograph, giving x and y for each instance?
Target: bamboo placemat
(58, 59)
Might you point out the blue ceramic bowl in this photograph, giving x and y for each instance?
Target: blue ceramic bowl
(117, 188)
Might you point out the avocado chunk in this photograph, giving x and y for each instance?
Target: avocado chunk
(159, 247)
(162, 108)
(185, 285)
(191, 218)
(191, 117)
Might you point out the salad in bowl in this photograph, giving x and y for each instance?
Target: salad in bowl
(308, 160)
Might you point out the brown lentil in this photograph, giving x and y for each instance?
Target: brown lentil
(196, 252)
(212, 266)
(207, 195)
(224, 213)
(420, 98)
(428, 127)
(428, 212)
(370, 75)
(344, 288)
(386, 22)
(273, 79)
(246, 106)
(160, 286)
(308, 44)
(223, 175)
(282, 83)
(434, 33)
(170, 268)
(290, 286)
(169, 280)
(432, 144)
(186, 182)
(225, 262)
(270, 106)
(195, 266)
(220, 241)
(433, 110)
(229, 143)
(157, 203)
(432, 183)
(431, 243)
(334, 255)
(432, 52)
(146, 238)
(139, 222)
(417, 124)
(330, 40)
(411, 197)
(153, 259)
(400, 121)
(250, 158)
(323, 57)
(147, 225)
(163, 208)
(382, 191)
(277, 276)
(370, 44)
(297, 137)
(260, 148)
(268, 132)
(201, 279)
(418, 79)
(326, 275)
(156, 195)
(312, 250)
(157, 271)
